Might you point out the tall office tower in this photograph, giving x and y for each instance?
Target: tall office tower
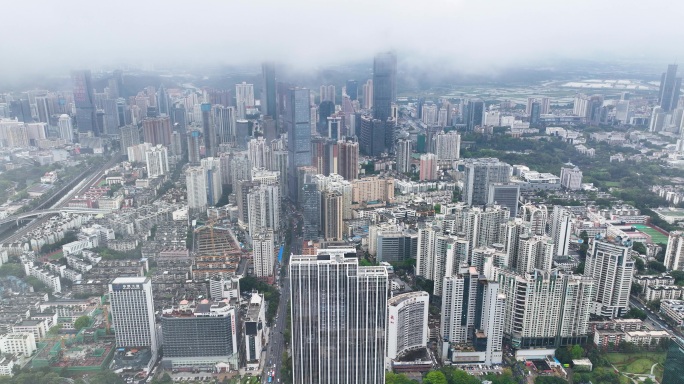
(179, 116)
(163, 101)
(334, 127)
(263, 208)
(384, 85)
(196, 182)
(264, 256)
(194, 147)
(594, 109)
(311, 211)
(535, 114)
(373, 134)
(327, 93)
(561, 229)
(242, 133)
(674, 369)
(331, 216)
(407, 324)
(268, 91)
(428, 167)
(298, 122)
(544, 105)
(622, 112)
(368, 94)
(224, 120)
(474, 114)
(429, 114)
(674, 253)
(130, 136)
(657, 120)
(352, 89)
(571, 178)
(212, 171)
(479, 174)
(244, 99)
(84, 101)
(176, 147)
(335, 183)
(348, 161)
(111, 116)
(580, 105)
(132, 312)
(21, 110)
(157, 130)
(269, 129)
(259, 153)
(534, 253)
(157, 161)
(200, 334)
(505, 195)
(66, 131)
(325, 109)
(609, 263)
(280, 165)
(670, 85)
(448, 146)
(472, 314)
(44, 108)
(545, 309)
(328, 345)
(208, 130)
(403, 155)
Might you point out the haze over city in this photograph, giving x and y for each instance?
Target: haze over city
(479, 37)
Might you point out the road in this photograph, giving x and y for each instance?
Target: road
(84, 185)
(276, 344)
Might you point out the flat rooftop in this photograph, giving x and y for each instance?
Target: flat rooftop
(130, 280)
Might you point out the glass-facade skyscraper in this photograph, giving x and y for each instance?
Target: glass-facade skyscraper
(384, 85)
(298, 121)
(338, 319)
(670, 84)
(674, 363)
(268, 92)
(84, 100)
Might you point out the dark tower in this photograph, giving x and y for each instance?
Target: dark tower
(668, 96)
(84, 100)
(384, 85)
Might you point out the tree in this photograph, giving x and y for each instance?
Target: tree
(165, 379)
(636, 289)
(635, 313)
(656, 266)
(639, 264)
(12, 269)
(435, 377)
(106, 377)
(398, 378)
(576, 351)
(81, 322)
(639, 247)
(549, 380)
(457, 376)
(563, 355)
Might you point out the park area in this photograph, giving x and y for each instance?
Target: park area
(638, 363)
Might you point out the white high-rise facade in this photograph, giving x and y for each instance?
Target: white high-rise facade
(674, 253)
(339, 319)
(545, 309)
(244, 98)
(263, 252)
(157, 161)
(328, 93)
(472, 313)
(66, 130)
(368, 94)
(195, 181)
(403, 149)
(212, 171)
(407, 323)
(571, 178)
(263, 207)
(448, 146)
(561, 229)
(132, 312)
(609, 263)
(259, 153)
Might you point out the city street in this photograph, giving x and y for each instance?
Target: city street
(276, 344)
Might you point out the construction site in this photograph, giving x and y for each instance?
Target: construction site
(89, 350)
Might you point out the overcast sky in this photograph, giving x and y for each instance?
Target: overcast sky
(474, 36)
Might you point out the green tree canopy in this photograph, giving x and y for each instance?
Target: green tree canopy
(81, 322)
(435, 377)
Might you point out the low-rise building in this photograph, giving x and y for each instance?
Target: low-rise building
(18, 343)
(38, 328)
(673, 309)
(646, 339)
(663, 292)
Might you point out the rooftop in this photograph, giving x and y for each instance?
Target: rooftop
(130, 280)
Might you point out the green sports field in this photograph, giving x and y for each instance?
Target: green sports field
(656, 236)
